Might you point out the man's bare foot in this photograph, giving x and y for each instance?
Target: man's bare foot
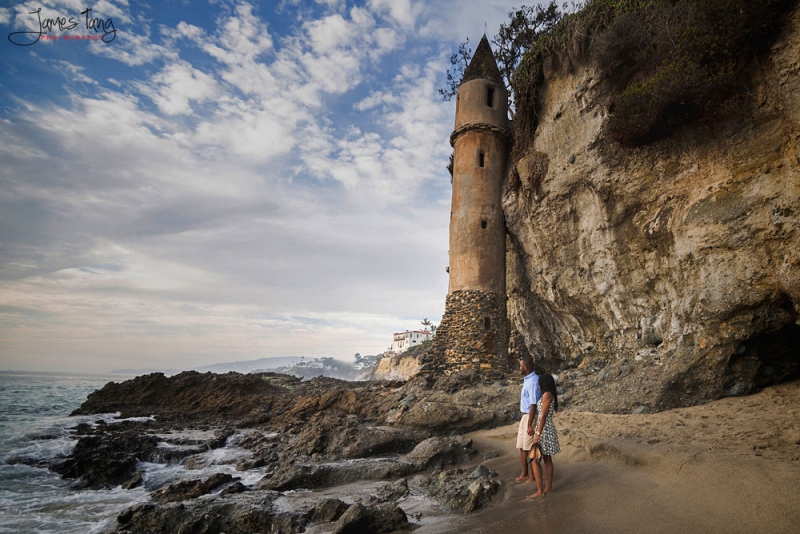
(547, 491)
(522, 478)
(534, 495)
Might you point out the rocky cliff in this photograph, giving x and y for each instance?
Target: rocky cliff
(399, 367)
(667, 273)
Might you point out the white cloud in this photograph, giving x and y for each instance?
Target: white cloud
(257, 135)
(403, 12)
(243, 37)
(239, 42)
(326, 36)
(186, 30)
(333, 4)
(456, 20)
(385, 40)
(375, 99)
(330, 52)
(392, 168)
(177, 85)
(74, 73)
(133, 50)
(114, 121)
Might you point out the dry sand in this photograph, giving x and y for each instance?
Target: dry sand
(730, 466)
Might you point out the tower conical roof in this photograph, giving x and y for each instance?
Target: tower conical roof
(483, 64)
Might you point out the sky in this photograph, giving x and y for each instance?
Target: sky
(183, 184)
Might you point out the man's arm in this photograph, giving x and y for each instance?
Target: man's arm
(531, 418)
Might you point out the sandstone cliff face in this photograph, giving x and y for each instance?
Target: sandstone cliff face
(673, 270)
(394, 368)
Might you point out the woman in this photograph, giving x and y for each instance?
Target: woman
(545, 434)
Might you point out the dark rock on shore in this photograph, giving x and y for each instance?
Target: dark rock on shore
(247, 512)
(107, 455)
(305, 435)
(461, 493)
(187, 395)
(340, 436)
(383, 518)
(106, 460)
(434, 452)
(260, 512)
(191, 489)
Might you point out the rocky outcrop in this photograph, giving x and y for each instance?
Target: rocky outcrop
(300, 435)
(189, 395)
(383, 518)
(191, 489)
(257, 511)
(667, 274)
(434, 452)
(248, 512)
(461, 402)
(104, 459)
(460, 492)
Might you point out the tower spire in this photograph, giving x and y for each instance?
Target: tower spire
(483, 64)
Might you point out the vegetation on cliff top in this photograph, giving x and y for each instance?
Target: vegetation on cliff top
(668, 62)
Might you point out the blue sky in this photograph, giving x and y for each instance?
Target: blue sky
(223, 180)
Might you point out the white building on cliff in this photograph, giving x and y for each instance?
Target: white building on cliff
(404, 340)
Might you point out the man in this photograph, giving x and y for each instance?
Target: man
(527, 405)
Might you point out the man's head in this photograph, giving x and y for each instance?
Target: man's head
(526, 365)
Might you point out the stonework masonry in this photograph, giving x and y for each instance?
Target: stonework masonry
(473, 334)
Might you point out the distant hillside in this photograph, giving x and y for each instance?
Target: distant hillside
(261, 364)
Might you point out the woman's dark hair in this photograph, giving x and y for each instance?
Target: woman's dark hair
(548, 383)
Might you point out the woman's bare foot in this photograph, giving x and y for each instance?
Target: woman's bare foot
(534, 495)
(522, 478)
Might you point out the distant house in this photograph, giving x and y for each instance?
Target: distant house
(316, 363)
(366, 362)
(403, 340)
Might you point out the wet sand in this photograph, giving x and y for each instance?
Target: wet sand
(730, 466)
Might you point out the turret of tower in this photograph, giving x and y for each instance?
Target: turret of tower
(482, 97)
(480, 143)
(473, 333)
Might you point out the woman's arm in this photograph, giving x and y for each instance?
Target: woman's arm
(547, 398)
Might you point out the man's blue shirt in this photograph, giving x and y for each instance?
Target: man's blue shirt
(530, 392)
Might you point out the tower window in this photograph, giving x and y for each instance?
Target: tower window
(490, 97)
(483, 224)
(487, 323)
(481, 158)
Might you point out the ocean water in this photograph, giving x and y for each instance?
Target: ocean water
(35, 426)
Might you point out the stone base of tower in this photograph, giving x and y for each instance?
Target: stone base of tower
(473, 334)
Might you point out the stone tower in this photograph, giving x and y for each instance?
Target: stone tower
(474, 329)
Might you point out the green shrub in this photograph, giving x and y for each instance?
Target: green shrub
(416, 350)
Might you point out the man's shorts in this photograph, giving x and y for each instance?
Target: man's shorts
(524, 440)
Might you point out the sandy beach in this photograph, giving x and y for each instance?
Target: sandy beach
(728, 466)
